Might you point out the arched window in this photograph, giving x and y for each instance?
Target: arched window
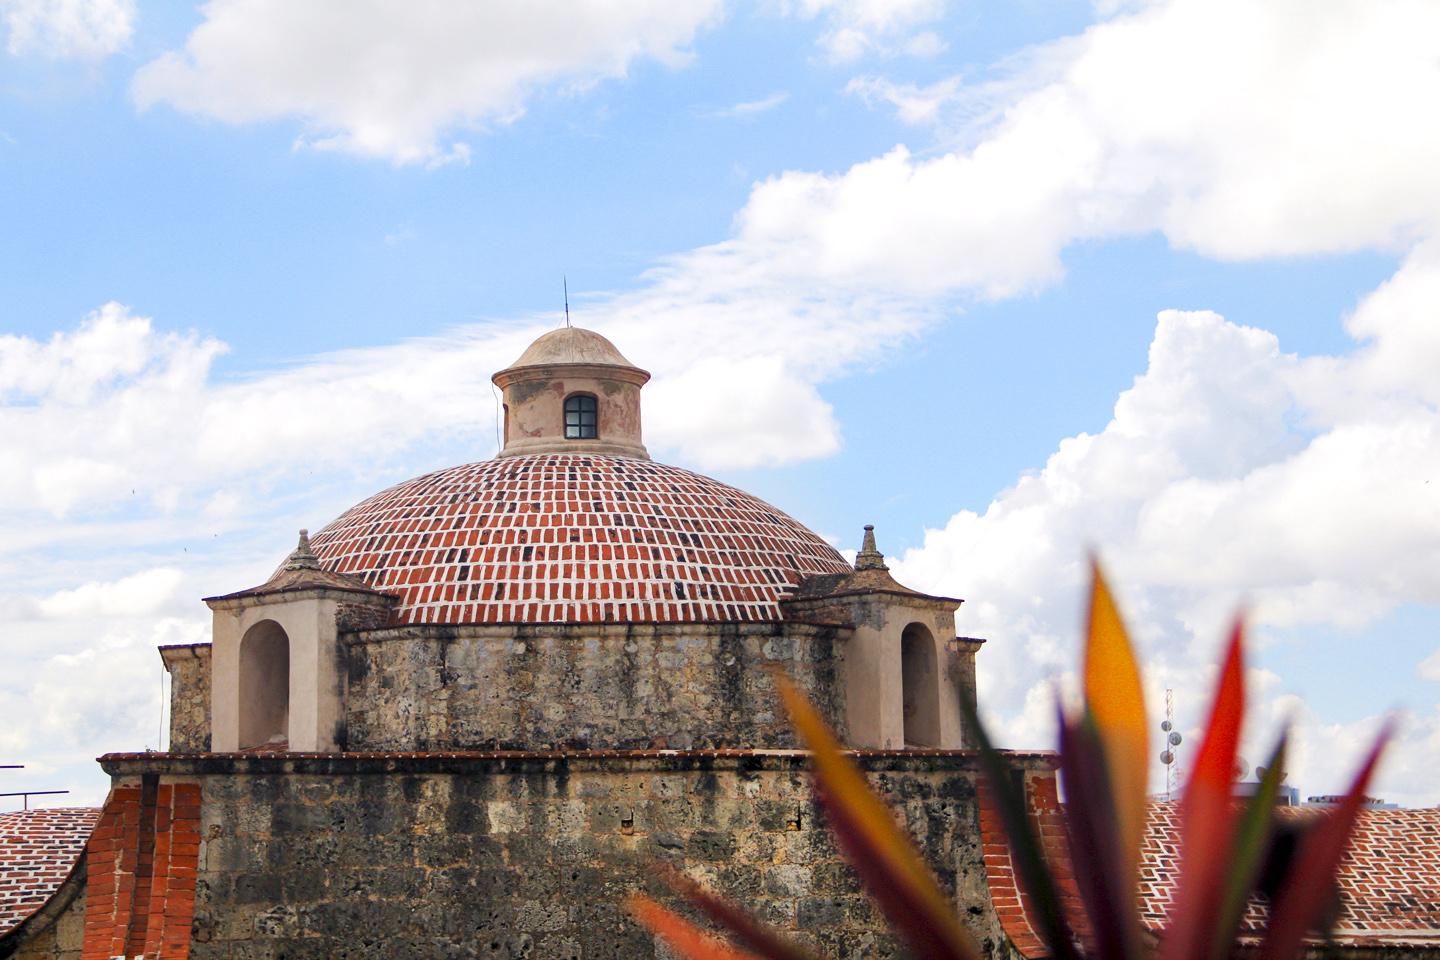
(920, 685)
(264, 685)
(580, 417)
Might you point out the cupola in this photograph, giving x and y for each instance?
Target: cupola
(571, 391)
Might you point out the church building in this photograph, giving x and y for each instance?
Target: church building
(471, 714)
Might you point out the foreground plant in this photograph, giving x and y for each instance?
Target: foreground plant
(1104, 750)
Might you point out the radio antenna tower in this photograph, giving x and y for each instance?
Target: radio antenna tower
(1169, 756)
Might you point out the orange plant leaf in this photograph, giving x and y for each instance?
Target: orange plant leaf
(1208, 817)
(1116, 700)
(683, 936)
(749, 932)
(878, 849)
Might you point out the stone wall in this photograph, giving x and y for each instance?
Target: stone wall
(505, 856)
(636, 686)
(189, 669)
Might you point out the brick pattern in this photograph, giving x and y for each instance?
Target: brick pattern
(142, 860)
(563, 538)
(38, 849)
(1012, 904)
(1389, 880)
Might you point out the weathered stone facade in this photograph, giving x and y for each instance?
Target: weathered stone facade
(513, 856)
(189, 669)
(547, 686)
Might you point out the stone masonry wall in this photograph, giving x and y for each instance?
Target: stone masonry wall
(469, 856)
(638, 686)
(189, 668)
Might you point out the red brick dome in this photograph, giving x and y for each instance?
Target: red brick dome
(562, 538)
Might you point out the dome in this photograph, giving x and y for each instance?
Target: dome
(571, 345)
(568, 538)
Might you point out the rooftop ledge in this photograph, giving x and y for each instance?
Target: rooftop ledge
(442, 761)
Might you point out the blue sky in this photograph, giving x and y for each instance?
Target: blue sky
(1007, 280)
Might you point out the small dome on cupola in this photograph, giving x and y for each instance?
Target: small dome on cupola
(571, 345)
(571, 391)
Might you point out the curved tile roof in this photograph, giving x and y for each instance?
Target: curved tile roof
(553, 538)
(1389, 879)
(38, 849)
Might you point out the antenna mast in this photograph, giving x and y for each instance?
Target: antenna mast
(566, 281)
(1170, 755)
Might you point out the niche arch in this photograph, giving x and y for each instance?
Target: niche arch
(264, 685)
(920, 686)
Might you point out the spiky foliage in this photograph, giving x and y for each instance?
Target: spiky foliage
(1104, 749)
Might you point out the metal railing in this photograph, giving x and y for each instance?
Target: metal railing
(26, 794)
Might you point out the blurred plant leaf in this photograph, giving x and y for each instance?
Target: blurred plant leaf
(1095, 841)
(1208, 815)
(1115, 698)
(747, 931)
(683, 936)
(1252, 840)
(1310, 883)
(897, 879)
(1026, 853)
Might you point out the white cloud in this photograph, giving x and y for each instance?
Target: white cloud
(137, 595)
(1221, 125)
(1429, 668)
(857, 28)
(1210, 486)
(750, 108)
(118, 416)
(913, 104)
(67, 29)
(395, 80)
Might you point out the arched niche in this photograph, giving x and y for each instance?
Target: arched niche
(264, 685)
(920, 686)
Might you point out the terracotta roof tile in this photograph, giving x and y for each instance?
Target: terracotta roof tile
(38, 848)
(1389, 882)
(553, 538)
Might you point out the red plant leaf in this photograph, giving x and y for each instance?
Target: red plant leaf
(747, 931)
(882, 853)
(1207, 817)
(1312, 878)
(1095, 844)
(683, 936)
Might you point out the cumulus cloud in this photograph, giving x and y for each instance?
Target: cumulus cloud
(1211, 484)
(67, 29)
(395, 81)
(1219, 125)
(118, 413)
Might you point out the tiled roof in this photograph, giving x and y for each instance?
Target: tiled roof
(1389, 882)
(554, 538)
(38, 848)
